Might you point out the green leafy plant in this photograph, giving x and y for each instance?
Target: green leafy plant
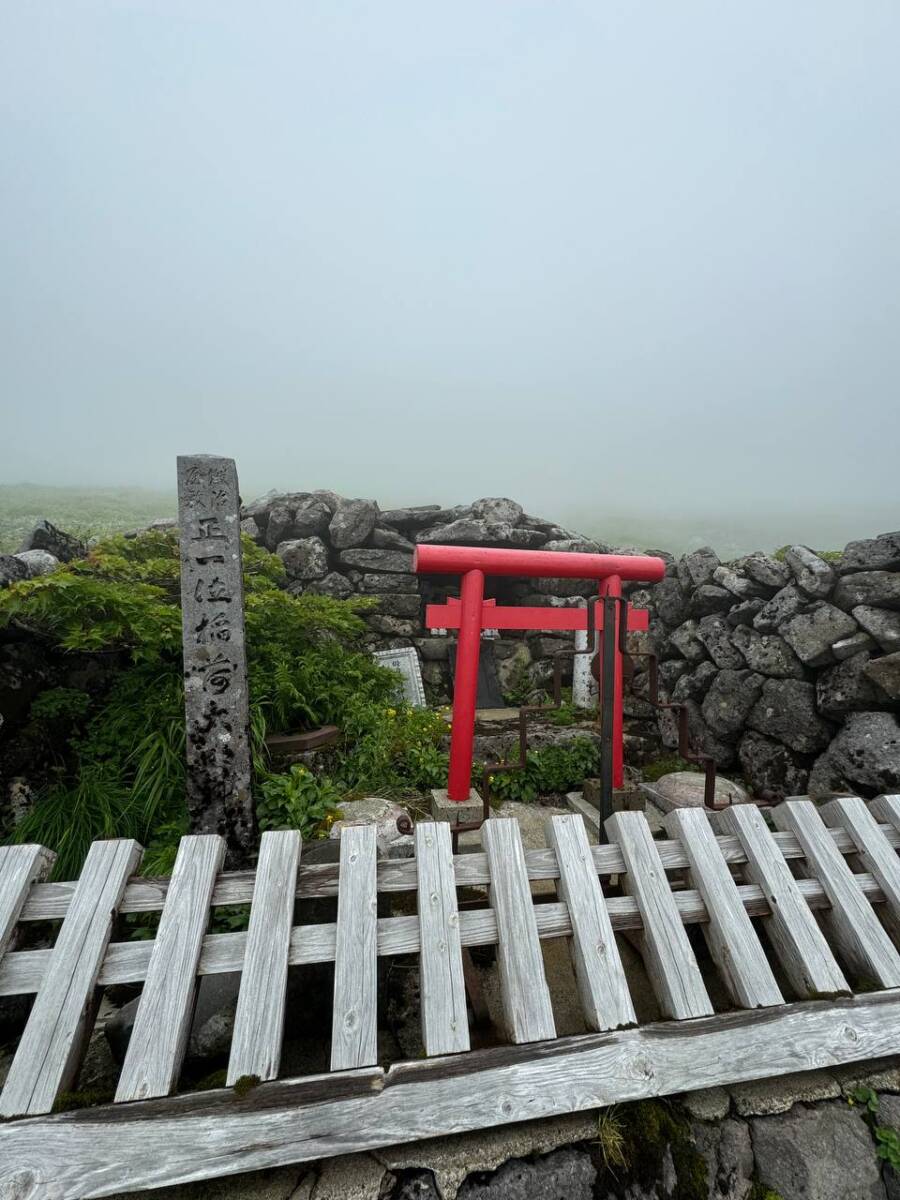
(887, 1141)
(297, 800)
(552, 769)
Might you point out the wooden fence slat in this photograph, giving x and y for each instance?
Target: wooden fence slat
(527, 1011)
(445, 1026)
(49, 1052)
(50, 901)
(605, 999)
(855, 930)
(887, 809)
(669, 958)
(875, 852)
(259, 1016)
(163, 1019)
(729, 933)
(354, 1029)
(20, 867)
(801, 947)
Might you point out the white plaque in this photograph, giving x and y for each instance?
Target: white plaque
(405, 661)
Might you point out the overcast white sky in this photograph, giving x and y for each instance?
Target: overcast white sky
(591, 255)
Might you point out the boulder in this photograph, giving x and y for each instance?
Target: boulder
(744, 613)
(64, 546)
(786, 711)
(417, 517)
(865, 753)
(686, 641)
(814, 575)
(352, 523)
(252, 530)
(304, 558)
(729, 700)
(12, 570)
(279, 525)
(389, 539)
(706, 740)
(766, 570)
(576, 545)
(334, 584)
(885, 674)
(397, 562)
(258, 510)
(715, 634)
(312, 516)
(882, 624)
(670, 672)
(686, 789)
(398, 604)
(697, 568)
(395, 627)
(694, 685)
(671, 601)
(393, 825)
(846, 687)
(38, 562)
(708, 598)
(856, 642)
(820, 1153)
(783, 605)
(738, 585)
(880, 553)
(812, 634)
(330, 499)
(767, 653)
(568, 1172)
(468, 531)
(408, 583)
(876, 589)
(565, 588)
(772, 770)
(497, 508)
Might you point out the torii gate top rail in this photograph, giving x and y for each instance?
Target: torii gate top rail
(471, 615)
(149, 1137)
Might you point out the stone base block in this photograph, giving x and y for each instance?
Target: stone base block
(457, 813)
(623, 799)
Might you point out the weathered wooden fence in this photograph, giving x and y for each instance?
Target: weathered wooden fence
(825, 887)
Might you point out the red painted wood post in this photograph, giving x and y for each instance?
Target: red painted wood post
(465, 686)
(612, 586)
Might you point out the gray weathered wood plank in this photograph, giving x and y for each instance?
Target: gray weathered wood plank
(20, 867)
(354, 1029)
(97, 1152)
(603, 989)
(163, 1019)
(874, 851)
(49, 1052)
(527, 1011)
(854, 929)
(886, 808)
(259, 1016)
(729, 933)
(668, 956)
(50, 901)
(445, 1027)
(799, 942)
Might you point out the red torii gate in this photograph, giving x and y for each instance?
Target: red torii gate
(472, 613)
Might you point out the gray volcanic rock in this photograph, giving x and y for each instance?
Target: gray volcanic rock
(882, 624)
(708, 599)
(311, 518)
(706, 740)
(38, 562)
(398, 562)
(390, 539)
(744, 613)
(738, 585)
(798, 1152)
(880, 553)
(470, 531)
(670, 672)
(783, 605)
(497, 508)
(686, 641)
(847, 687)
(729, 701)
(857, 642)
(864, 756)
(767, 653)
(334, 584)
(715, 634)
(694, 685)
(258, 510)
(812, 634)
(772, 770)
(280, 522)
(304, 558)
(395, 604)
(388, 583)
(576, 545)
(416, 517)
(697, 568)
(12, 570)
(885, 674)
(252, 530)
(63, 546)
(814, 576)
(877, 589)
(786, 711)
(352, 523)
(671, 601)
(767, 570)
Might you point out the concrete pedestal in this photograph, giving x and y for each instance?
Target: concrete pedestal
(457, 813)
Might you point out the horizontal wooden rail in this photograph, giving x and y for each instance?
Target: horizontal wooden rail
(50, 901)
(21, 971)
(153, 1143)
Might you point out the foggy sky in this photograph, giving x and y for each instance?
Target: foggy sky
(596, 256)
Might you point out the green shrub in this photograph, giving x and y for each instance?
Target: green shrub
(552, 769)
(297, 800)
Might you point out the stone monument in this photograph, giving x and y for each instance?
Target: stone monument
(215, 661)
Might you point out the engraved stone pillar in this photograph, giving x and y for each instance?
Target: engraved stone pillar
(584, 685)
(215, 660)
